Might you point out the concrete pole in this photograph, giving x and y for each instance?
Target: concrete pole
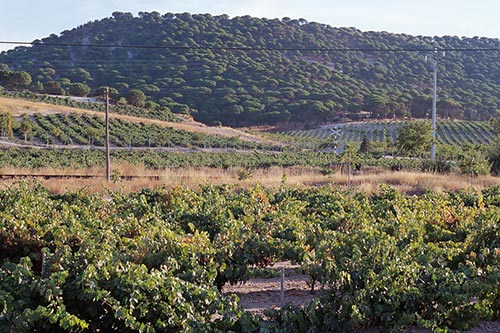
(434, 125)
(108, 166)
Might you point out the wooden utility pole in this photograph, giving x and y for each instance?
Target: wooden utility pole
(108, 167)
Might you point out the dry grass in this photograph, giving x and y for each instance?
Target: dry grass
(301, 177)
(415, 182)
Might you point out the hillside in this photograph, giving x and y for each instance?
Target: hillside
(65, 119)
(250, 71)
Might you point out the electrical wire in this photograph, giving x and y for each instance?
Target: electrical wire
(252, 48)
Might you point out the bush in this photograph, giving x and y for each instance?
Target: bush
(437, 166)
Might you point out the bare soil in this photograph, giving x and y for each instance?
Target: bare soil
(260, 294)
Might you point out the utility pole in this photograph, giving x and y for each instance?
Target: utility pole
(108, 167)
(434, 97)
(434, 125)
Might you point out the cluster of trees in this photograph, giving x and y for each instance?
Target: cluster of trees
(15, 80)
(188, 68)
(415, 139)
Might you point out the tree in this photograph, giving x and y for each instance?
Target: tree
(53, 88)
(19, 80)
(376, 104)
(493, 152)
(365, 146)
(136, 98)
(414, 138)
(6, 122)
(421, 106)
(79, 89)
(495, 123)
(349, 157)
(100, 92)
(474, 163)
(26, 127)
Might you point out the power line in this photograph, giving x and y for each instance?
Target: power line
(263, 48)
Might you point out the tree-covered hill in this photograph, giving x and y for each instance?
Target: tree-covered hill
(251, 71)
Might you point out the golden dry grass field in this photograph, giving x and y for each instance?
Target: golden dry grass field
(128, 178)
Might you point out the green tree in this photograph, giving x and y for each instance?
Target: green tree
(19, 80)
(493, 152)
(495, 123)
(6, 122)
(136, 98)
(53, 88)
(79, 89)
(26, 127)
(474, 163)
(376, 104)
(100, 92)
(414, 138)
(349, 157)
(421, 106)
(365, 146)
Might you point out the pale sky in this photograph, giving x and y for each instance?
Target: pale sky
(22, 20)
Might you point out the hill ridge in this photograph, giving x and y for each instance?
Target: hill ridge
(251, 87)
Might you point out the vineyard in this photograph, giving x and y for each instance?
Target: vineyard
(156, 260)
(72, 129)
(448, 132)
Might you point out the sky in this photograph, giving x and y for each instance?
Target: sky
(23, 20)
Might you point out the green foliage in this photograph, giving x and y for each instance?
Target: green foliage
(451, 136)
(136, 98)
(76, 263)
(495, 123)
(15, 80)
(414, 138)
(440, 165)
(79, 89)
(365, 146)
(26, 127)
(350, 159)
(493, 155)
(393, 261)
(151, 261)
(90, 130)
(245, 87)
(474, 162)
(6, 124)
(160, 113)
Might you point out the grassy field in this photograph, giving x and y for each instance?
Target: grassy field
(367, 181)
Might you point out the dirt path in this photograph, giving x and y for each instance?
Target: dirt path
(259, 294)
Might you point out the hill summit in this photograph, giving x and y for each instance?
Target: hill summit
(253, 71)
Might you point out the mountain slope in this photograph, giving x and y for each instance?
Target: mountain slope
(301, 76)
